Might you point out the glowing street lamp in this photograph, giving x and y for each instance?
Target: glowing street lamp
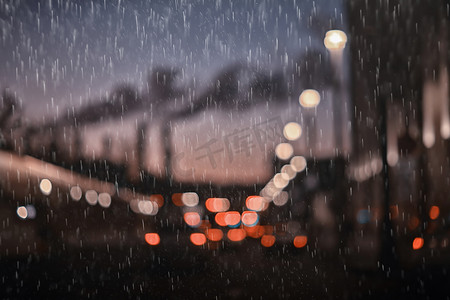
(335, 40)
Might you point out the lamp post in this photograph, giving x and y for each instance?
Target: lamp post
(335, 41)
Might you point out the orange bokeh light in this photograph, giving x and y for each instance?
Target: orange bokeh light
(152, 239)
(214, 234)
(249, 218)
(236, 235)
(220, 219)
(268, 229)
(205, 225)
(232, 218)
(192, 219)
(255, 203)
(434, 212)
(417, 243)
(394, 211)
(176, 199)
(255, 231)
(300, 241)
(198, 239)
(217, 204)
(159, 199)
(413, 222)
(267, 240)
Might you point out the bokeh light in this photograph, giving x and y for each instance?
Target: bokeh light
(76, 193)
(267, 240)
(236, 235)
(335, 40)
(198, 239)
(176, 199)
(413, 222)
(220, 219)
(284, 151)
(91, 197)
(204, 225)
(292, 131)
(288, 171)
(428, 138)
(104, 199)
(152, 239)
(250, 218)
(281, 199)
(417, 243)
(363, 216)
(193, 219)
(232, 218)
(281, 180)
(22, 212)
(270, 191)
(309, 98)
(31, 211)
(255, 231)
(214, 234)
(268, 229)
(394, 211)
(300, 241)
(255, 203)
(217, 204)
(145, 207)
(158, 199)
(190, 199)
(45, 186)
(434, 212)
(298, 163)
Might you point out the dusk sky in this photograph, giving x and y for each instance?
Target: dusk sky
(58, 54)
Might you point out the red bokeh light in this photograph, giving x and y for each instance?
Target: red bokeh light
(152, 239)
(198, 239)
